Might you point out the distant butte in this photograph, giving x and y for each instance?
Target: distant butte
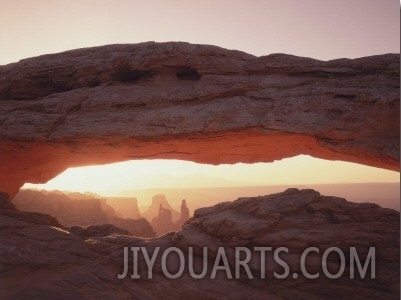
(192, 102)
(40, 260)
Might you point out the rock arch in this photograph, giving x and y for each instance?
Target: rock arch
(194, 102)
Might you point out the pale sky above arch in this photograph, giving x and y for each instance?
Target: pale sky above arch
(321, 29)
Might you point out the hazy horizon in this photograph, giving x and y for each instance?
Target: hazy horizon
(384, 194)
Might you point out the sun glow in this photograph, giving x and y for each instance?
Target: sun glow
(119, 178)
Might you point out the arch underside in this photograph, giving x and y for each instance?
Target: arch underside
(192, 102)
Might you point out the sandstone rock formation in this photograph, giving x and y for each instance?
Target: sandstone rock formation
(8, 209)
(42, 261)
(125, 207)
(163, 222)
(184, 214)
(67, 211)
(136, 227)
(299, 219)
(192, 102)
(97, 230)
(76, 211)
(153, 210)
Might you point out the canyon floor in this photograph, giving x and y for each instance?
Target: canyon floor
(41, 259)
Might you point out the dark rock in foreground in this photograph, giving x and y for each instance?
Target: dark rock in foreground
(39, 261)
(97, 230)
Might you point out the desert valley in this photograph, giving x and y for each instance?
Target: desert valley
(170, 208)
(204, 150)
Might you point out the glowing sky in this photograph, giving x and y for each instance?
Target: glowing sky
(321, 29)
(116, 178)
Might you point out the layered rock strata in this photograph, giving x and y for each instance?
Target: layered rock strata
(192, 102)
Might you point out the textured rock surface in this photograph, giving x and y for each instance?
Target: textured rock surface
(97, 230)
(137, 227)
(194, 102)
(38, 261)
(298, 219)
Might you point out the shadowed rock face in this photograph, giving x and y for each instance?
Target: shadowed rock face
(192, 102)
(46, 262)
